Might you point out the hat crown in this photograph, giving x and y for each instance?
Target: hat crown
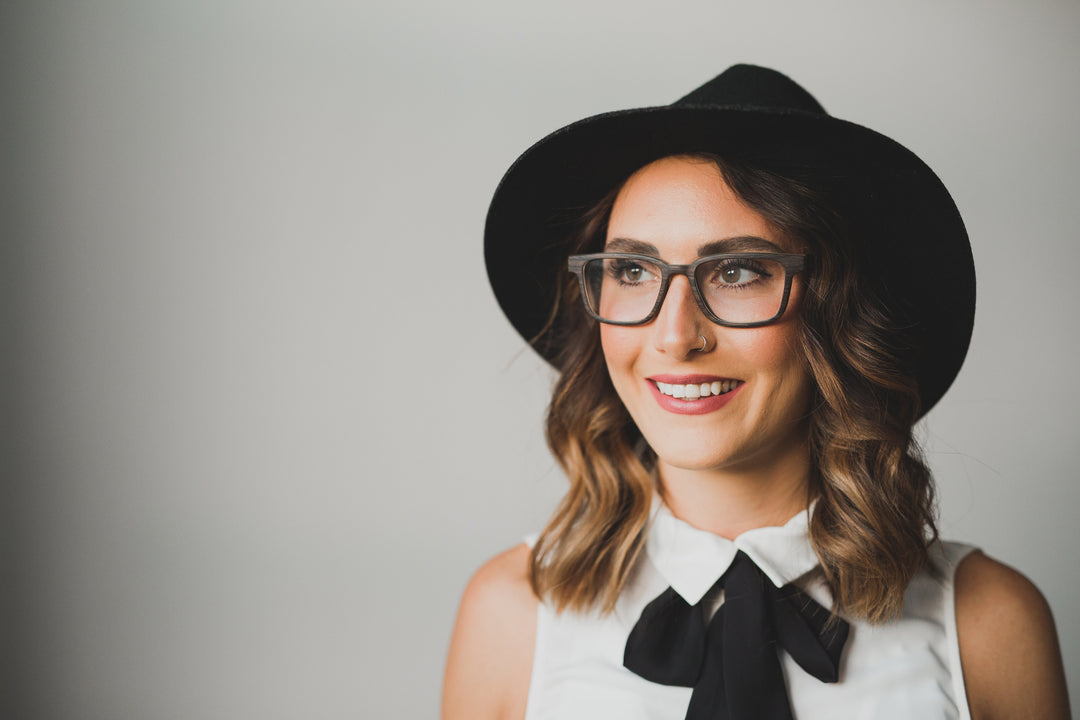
(750, 86)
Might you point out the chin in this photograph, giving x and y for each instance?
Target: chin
(748, 451)
(696, 455)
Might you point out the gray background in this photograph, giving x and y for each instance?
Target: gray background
(264, 416)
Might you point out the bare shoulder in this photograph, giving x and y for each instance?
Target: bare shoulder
(1008, 644)
(490, 658)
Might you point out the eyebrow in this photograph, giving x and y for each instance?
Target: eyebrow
(742, 243)
(631, 246)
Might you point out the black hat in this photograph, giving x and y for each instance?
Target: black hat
(913, 239)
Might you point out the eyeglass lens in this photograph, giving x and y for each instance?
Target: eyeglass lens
(736, 289)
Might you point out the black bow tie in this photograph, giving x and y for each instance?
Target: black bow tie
(732, 663)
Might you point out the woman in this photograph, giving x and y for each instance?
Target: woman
(750, 304)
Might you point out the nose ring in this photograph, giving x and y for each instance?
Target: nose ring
(704, 344)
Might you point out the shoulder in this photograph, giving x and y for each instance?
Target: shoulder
(1008, 644)
(490, 658)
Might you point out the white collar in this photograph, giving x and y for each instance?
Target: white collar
(692, 560)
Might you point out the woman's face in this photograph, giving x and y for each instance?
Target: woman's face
(678, 205)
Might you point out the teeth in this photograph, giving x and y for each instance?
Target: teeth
(695, 391)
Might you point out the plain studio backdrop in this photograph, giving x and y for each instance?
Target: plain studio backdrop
(265, 417)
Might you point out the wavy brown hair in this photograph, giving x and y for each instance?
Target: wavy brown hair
(874, 513)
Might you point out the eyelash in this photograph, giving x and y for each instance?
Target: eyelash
(617, 268)
(746, 264)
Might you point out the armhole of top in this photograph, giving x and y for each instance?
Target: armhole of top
(954, 553)
(535, 673)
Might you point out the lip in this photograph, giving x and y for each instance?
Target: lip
(690, 407)
(687, 379)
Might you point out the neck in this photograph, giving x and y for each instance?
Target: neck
(730, 501)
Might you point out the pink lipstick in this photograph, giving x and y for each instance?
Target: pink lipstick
(693, 394)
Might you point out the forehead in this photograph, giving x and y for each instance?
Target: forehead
(680, 203)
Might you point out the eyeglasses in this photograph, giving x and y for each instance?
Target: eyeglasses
(734, 289)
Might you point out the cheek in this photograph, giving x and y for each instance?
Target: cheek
(621, 347)
(618, 344)
(771, 348)
(776, 353)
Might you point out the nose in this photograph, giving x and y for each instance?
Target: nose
(680, 324)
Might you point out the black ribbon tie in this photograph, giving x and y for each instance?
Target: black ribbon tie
(732, 662)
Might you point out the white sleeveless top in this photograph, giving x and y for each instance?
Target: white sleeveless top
(908, 668)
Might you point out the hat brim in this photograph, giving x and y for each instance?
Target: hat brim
(913, 237)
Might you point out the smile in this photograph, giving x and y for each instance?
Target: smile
(696, 391)
(693, 394)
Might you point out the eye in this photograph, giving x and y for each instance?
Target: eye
(629, 272)
(633, 273)
(736, 275)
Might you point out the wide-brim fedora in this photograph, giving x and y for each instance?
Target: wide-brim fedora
(912, 241)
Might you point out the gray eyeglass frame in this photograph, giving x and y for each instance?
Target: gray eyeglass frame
(792, 264)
